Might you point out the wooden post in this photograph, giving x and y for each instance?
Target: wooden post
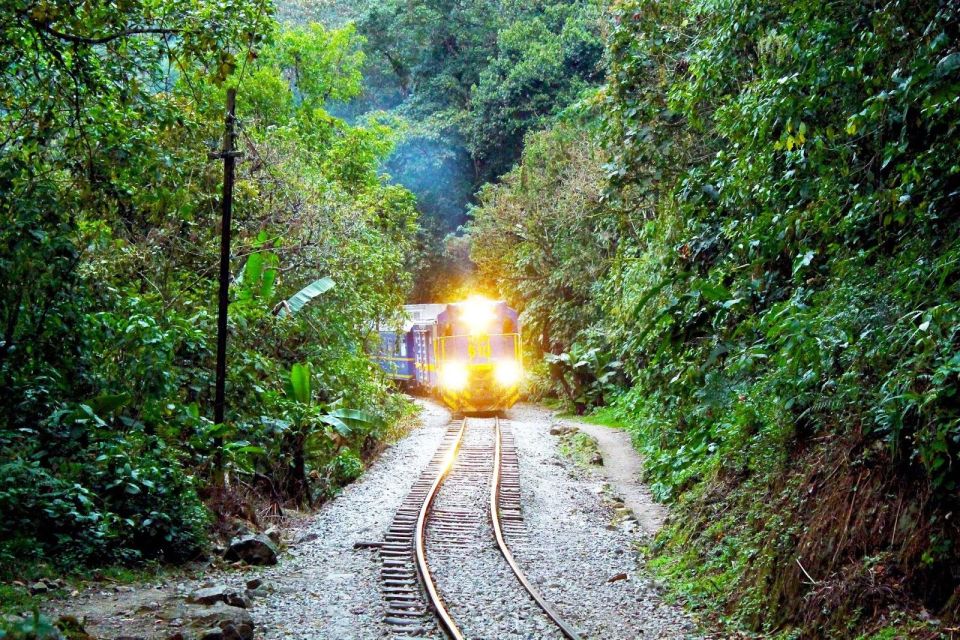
(229, 157)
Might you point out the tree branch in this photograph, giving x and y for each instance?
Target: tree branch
(103, 39)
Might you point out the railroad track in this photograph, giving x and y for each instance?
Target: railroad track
(485, 461)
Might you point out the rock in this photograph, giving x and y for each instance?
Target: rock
(221, 593)
(310, 537)
(254, 583)
(72, 628)
(559, 429)
(596, 459)
(274, 534)
(617, 578)
(39, 587)
(258, 549)
(231, 623)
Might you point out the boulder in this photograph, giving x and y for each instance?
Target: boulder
(274, 534)
(258, 549)
(559, 429)
(220, 593)
(220, 621)
(39, 587)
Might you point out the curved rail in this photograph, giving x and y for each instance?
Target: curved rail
(419, 537)
(567, 630)
(419, 540)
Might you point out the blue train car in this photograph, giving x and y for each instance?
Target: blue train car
(466, 353)
(408, 355)
(395, 356)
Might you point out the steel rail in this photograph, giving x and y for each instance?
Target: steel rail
(567, 630)
(419, 542)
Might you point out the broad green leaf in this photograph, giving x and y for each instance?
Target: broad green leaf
(108, 403)
(713, 292)
(254, 268)
(300, 382)
(305, 295)
(339, 425)
(355, 415)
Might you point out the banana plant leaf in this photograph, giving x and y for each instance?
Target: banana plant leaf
(355, 415)
(300, 382)
(338, 425)
(342, 419)
(302, 297)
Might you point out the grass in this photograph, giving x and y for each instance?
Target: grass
(15, 596)
(602, 416)
(16, 599)
(579, 447)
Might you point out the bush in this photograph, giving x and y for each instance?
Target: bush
(128, 501)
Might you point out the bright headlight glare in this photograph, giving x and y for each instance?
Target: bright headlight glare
(507, 373)
(478, 313)
(453, 376)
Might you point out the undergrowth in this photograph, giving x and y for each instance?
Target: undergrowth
(580, 447)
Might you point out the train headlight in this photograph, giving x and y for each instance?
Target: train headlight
(453, 376)
(507, 373)
(478, 313)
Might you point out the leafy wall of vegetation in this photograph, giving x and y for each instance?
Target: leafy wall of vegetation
(468, 79)
(765, 287)
(108, 266)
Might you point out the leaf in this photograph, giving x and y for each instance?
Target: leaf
(304, 296)
(948, 64)
(269, 277)
(300, 382)
(802, 261)
(355, 415)
(339, 425)
(254, 268)
(713, 292)
(108, 403)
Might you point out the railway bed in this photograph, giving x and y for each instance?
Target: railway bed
(456, 525)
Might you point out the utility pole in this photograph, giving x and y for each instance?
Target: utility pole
(229, 157)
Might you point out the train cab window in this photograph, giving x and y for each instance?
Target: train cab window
(403, 349)
(509, 326)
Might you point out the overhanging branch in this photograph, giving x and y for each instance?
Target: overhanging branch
(69, 37)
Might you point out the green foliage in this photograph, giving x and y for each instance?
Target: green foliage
(470, 80)
(305, 295)
(107, 272)
(36, 627)
(774, 244)
(541, 238)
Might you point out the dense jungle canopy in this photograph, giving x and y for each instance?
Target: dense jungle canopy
(730, 226)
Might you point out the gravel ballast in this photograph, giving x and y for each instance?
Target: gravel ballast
(325, 588)
(587, 567)
(479, 588)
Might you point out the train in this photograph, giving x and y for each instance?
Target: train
(466, 353)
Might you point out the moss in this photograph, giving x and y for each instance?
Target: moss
(581, 448)
(15, 599)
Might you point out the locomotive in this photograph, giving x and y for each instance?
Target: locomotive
(466, 353)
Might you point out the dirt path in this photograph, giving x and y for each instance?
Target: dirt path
(326, 589)
(623, 467)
